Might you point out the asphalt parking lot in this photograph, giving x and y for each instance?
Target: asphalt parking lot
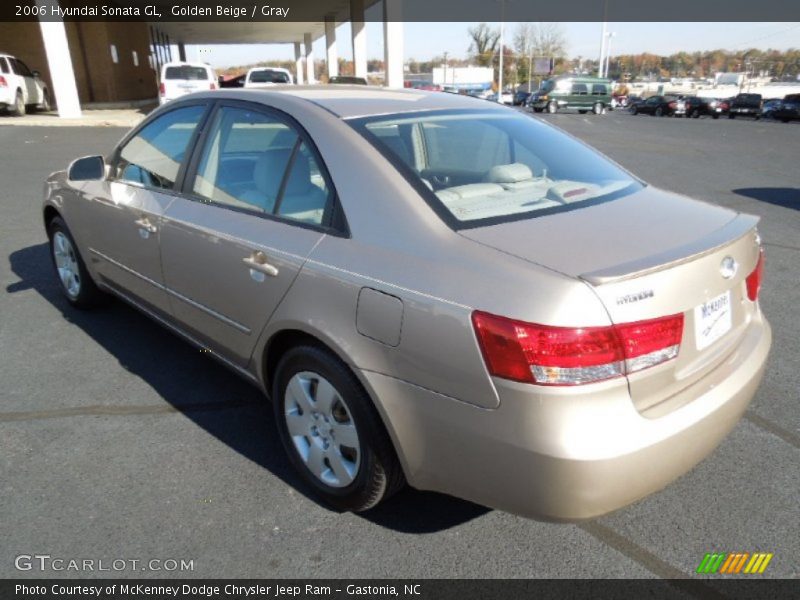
(120, 441)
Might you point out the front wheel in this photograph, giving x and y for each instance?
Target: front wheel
(659, 112)
(634, 111)
(731, 116)
(76, 283)
(552, 107)
(332, 432)
(45, 104)
(537, 110)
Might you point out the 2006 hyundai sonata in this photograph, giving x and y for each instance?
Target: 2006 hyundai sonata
(432, 289)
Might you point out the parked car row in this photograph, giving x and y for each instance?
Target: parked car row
(741, 105)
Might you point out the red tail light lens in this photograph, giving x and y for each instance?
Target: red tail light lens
(162, 89)
(213, 86)
(673, 104)
(754, 279)
(3, 82)
(547, 355)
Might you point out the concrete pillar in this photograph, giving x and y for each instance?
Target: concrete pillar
(169, 47)
(393, 42)
(298, 64)
(331, 56)
(181, 51)
(59, 61)
(309, 58)
(359, 35)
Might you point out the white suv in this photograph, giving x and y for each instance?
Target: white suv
(180, 78)
(260, 77)
(20, 87)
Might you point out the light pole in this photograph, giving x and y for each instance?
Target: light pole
(610, 35)
(445, 69)
(500, 74)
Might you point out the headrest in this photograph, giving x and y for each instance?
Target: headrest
(513, 173)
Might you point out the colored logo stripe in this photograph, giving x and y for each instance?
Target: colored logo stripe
(734, 563)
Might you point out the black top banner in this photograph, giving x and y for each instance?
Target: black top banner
(277, 11)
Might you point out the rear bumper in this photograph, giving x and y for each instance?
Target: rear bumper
(564, 454)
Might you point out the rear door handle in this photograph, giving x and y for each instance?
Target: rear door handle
(145, 227)
(259, 266)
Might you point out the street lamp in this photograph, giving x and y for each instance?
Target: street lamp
(609, 35)
(500, 74)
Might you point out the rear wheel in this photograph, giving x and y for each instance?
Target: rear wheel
(19, 105)
(634, 110)
(598, 108)
(583, 112)
(332, 432)
(659, 112)
(537, 110)
(45, 105)
(76, 283)
(552, 107)
(695, 114)
(731, 116)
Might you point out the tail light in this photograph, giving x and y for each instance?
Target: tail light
(162, 89)
(673, 104)
(213, 86)
(753, 280)
(546, 355)
(3, 82)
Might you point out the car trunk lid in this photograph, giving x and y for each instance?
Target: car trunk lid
(650, 255)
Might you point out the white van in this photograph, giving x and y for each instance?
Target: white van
(180, 78)
(259, 77)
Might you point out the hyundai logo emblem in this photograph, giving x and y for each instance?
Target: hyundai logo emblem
(728, 267)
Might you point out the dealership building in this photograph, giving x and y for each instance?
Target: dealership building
(107, 62)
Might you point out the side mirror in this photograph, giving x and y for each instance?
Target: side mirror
(88, 168)
(36, 74)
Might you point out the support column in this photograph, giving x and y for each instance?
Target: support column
(181, 51)
(309, 58)
(393, 43)
(59, 61)
(331, 56)
(298, 64)
(359, 35)
(169, 47)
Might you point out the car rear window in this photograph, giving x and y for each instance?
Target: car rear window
(3, 65)
(481, 168)
(186, 72)
(268, 77)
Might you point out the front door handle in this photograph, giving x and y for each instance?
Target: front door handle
(145, 227)
(258, 264)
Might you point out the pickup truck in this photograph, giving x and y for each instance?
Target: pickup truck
(746, 105)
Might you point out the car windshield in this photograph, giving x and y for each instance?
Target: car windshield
(186, 72)
(268, 77)
(547, 86)
(488, 167)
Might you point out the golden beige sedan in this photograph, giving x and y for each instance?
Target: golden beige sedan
(431, 288)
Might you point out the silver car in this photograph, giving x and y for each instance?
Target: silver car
(431, 289)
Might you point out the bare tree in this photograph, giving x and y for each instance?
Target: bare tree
(548, 40)
(483, 43)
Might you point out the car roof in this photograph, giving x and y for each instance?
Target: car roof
(185, 64)
(351, 101)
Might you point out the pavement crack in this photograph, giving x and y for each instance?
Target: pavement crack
(102, 410)
(676, 578)
(783, 246)
(786, 435)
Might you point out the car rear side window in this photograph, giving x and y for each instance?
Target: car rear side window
(579, 89)
(186, 73)
(3, 65)
(255, 161)
(20, 68)
(154, 155)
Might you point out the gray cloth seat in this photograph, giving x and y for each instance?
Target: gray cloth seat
(267, 175)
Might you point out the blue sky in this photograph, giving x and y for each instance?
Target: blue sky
(425, 40)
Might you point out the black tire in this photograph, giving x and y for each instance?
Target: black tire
(583, 112)
(695, 114)
(537, 110)
(45, 105)
(659, 112)
(88, 295)
(634, 110)
(731, 116)
(715, 116)
(598, 108)
(18, 109)
(785, 120)
(552, 107)
(379, 473)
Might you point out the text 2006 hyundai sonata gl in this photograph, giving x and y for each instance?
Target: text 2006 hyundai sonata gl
(432, 289)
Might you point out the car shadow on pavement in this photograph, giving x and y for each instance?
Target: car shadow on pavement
(214, 398)
(779, 196)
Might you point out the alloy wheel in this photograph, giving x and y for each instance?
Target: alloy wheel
(322, 429)
(67, 264)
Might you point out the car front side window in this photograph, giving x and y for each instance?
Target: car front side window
(154, 155)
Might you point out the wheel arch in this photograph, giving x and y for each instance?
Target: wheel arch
(50, 212)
